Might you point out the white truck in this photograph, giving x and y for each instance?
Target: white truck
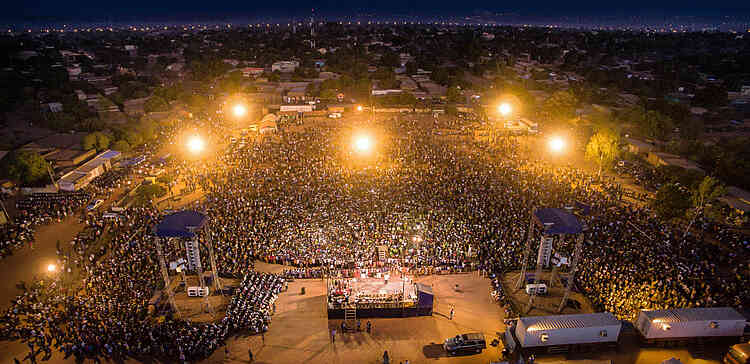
(562, 333)
(685, 325)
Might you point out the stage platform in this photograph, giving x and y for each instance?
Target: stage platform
(378, 294)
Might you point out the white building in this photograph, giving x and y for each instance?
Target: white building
(284, 66)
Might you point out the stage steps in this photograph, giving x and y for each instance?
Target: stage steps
(350, 316)
(382, 251)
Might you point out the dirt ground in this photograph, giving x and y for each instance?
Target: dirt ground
(300, 330)
(546, 304)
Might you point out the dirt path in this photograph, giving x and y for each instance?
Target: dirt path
(27, 263)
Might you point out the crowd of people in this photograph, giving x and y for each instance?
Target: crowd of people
(305, 200)
(34, 210)
(252, 305)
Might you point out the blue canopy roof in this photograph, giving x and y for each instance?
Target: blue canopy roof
(558, 221)
(180, 224)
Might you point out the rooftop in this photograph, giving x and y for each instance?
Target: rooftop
(693, 314)
(535, 323)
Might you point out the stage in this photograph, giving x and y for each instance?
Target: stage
(378, 293)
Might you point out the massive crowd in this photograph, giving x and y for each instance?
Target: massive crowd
(303, 199)
(34, 210)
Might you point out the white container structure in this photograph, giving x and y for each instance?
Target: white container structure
(563, 332)
(689, 323)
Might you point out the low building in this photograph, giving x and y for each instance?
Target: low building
(68, 157)
(386, 92)
(83, 175)
(636, 146)
(284, 66)
(737, 199)
(666, 159)
(252, 71)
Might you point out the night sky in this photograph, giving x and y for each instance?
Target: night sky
(185, 9)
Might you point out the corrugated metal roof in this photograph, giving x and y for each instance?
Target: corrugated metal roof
(694, 314)
(569, 321)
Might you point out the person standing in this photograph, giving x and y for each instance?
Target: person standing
(386, 359)
(452, 313)
(333, 335)
(250, 354)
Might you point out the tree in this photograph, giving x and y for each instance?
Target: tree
(603, 148)
(656, 124)
(25, 166)
(96, 140)
(454, 95)
(146, 193)
(89, 141)
(121, 146)
(707, 192)
(691, 128)
(670, 201)
(711, 96)
(155, 104)
(561, 106)
(411, 68)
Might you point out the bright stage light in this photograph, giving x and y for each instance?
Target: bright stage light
(556, 144)
(51, 268)
(362, 143)
(239, 110)
(505, 109)
(196, 144)
(359, 107)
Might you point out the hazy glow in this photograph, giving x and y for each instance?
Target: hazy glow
(504, 109)
(51, 268)
(359, 107)
(239, 110)
(195, 144)
(556, 144)
(363, 143)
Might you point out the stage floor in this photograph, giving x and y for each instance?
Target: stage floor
(373, 286)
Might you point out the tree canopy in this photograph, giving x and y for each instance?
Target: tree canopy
(603, 148)
(27, 167)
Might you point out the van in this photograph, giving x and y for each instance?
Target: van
(539, 288)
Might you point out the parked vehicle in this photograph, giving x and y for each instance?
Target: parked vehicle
(466, 343)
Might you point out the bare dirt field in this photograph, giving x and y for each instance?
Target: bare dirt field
(545, 304)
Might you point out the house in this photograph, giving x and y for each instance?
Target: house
(108, 90)
(73, 72)
(175, 67)
(252, 71)
(54, 107)
(284, 66)
(386, 92)
(666, 159)
(232, 62)
(636, 146)
(68, 157)
(83, 175)
(131, 49)
(134, 106)
(737, 199)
